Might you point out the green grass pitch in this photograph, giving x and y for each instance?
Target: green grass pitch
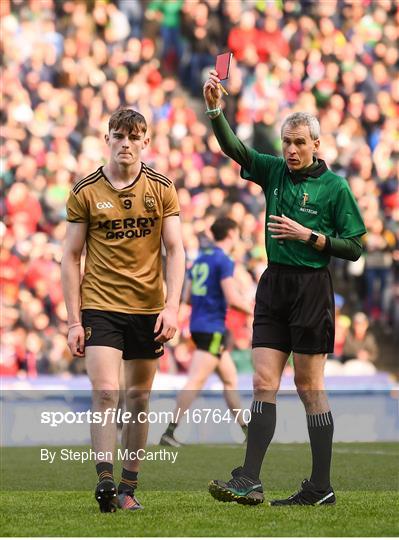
(39, 499)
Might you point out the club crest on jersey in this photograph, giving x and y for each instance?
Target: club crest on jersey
(87, 333)
(149, 202)
(305, 198)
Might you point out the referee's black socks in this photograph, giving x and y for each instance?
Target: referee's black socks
(321, 429)
(260, 433)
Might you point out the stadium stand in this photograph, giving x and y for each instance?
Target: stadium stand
(67, 65)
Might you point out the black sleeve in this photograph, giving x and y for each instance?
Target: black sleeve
(344, 248)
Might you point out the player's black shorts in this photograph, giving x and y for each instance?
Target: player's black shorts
(294, 310)
(132, 334)
(211, 343)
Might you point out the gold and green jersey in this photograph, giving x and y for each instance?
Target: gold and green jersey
(123, 267)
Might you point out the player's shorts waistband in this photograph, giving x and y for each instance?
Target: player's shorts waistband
(287, 268)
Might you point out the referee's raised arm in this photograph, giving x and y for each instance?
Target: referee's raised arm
(227, 139)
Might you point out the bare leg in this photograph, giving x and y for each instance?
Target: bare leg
(227, 372)
(309, 380)
(103, 365)
(269, 365)
(139, 375)
(202, 365)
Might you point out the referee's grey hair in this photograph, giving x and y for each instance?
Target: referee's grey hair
(303, 119)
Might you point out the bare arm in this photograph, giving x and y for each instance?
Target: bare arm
(186, 298)
(234, 298)
(70, 277)
(175, 270)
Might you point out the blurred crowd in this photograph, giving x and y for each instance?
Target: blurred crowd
(66, 66)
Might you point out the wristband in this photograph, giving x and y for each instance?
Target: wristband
(73, 325)
(212, 111)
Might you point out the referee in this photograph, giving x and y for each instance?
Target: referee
(311, 216)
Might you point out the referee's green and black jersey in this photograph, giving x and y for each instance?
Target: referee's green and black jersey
(321, 201)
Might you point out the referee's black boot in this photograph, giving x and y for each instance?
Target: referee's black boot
(308, 495)
(106, 495)
(240, 489)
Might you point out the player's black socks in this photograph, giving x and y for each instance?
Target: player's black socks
(128, 481)
(321, 429)
(260, 433)
(105, 470)
(171, 429)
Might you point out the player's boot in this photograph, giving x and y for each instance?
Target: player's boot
(105, 495)
(308, 495)
(128, 501)
(241, 489)
(169, 440)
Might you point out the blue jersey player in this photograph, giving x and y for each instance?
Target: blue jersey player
(212, 288)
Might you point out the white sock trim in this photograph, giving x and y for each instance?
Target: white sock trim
(319, 419)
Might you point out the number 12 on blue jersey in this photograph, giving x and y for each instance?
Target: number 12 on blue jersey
(200, 273)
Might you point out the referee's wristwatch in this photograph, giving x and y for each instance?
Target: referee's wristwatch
(314, 236)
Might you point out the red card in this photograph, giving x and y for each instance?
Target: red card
(223, 65)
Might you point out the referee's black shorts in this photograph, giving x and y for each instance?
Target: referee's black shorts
(294, 310)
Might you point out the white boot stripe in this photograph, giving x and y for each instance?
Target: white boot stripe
(331, 494)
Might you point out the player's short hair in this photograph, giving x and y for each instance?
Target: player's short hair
(303, 119)
(221, 227)
(127, 120)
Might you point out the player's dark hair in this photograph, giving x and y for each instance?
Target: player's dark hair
(127, 120)
(221, 227)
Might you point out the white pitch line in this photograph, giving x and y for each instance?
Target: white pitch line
(374, 452)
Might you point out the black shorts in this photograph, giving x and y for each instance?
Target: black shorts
(132, 334)
(211, 343)
(294, 310)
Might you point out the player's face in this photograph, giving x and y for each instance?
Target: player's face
(234, 236)
(298, 147)
(126, 148)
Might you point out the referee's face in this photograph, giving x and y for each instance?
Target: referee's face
(298, 147)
